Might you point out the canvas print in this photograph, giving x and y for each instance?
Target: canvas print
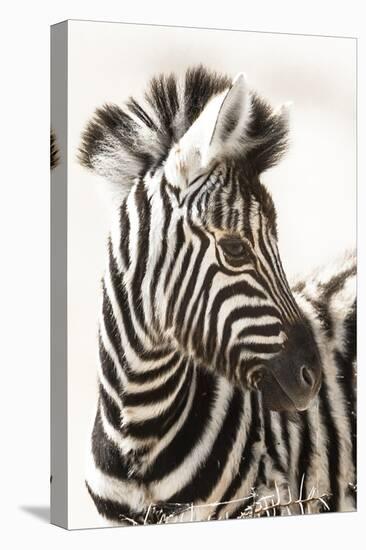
(210, 326)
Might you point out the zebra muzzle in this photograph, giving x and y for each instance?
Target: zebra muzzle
(292, 379)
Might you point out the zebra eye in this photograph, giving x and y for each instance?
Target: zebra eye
(235, 249)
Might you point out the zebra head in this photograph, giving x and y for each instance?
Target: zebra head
(200, 262)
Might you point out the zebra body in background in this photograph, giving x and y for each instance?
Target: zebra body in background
(218, 384)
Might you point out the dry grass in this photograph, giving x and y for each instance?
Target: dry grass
(272, 504)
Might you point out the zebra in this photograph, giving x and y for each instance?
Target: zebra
(218, 384)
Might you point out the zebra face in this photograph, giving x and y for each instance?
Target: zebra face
(196, 233)
(233, 308)
(230, 306)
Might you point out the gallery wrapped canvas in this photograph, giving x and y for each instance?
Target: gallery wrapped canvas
(203, 274)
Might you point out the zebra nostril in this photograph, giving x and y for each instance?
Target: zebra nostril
(307, 376)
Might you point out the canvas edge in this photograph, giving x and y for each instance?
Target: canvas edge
(58, 206)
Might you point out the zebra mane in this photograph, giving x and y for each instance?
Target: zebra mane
(122, 144)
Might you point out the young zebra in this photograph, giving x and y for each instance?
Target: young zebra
(210, 366)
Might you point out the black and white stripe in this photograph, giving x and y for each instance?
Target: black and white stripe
(203, 346)
(54, 153)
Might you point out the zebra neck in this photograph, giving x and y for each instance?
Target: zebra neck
(147, 378)
(151, 389)
(150, 392)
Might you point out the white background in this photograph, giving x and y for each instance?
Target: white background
(25, 272)
(313, 187)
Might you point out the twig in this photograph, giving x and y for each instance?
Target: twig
(261, 506)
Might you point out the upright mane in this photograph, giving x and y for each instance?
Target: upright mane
(122, 144)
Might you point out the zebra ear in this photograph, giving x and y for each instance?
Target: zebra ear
(216, 133)
(111, 147)
(230, 124)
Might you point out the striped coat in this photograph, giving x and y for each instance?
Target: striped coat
(225, 444)
(222, 392)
